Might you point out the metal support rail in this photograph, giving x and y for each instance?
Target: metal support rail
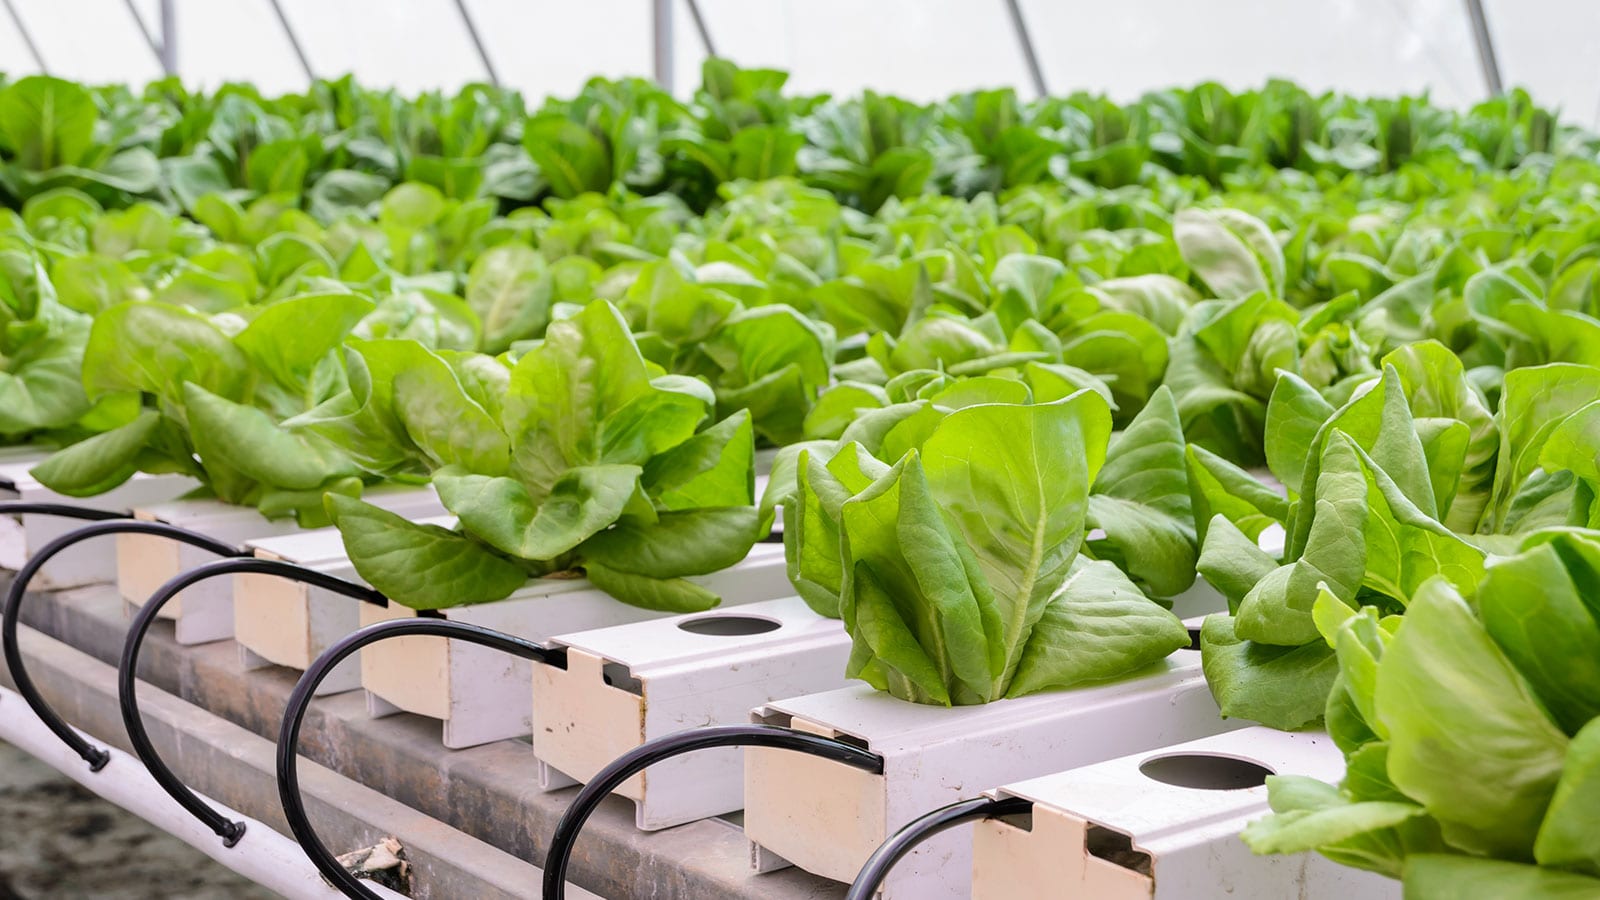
(27, 36)
(96, 757)
(477, 42)
(1483, 39)
(164, 49)
(700, 26)
(651, 752)
(169, 37)
(294, 40)
(661, 31)
(127, 695)
(1019, 24)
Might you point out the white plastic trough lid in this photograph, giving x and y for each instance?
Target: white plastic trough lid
(764, 460)
(386, 496)
(320, 545)
(15, 473)
(661, 644)
(1117, 794)
(889, 725)
(28, 455)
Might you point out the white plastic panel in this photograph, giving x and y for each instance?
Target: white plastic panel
(920, 49)
(414, 45)
(239, 40)
(1360, 46)
(1552, 48)
(551, 48)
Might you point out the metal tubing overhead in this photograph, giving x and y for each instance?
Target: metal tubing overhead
(661, 31)
(144, 31)
(477, 42)
(700, 26)
(27, 37)
(1483, 38)
(1019, 24)
(294, 40)
(169, 37)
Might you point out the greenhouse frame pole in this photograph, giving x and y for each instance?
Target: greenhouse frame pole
(27, 37)
(1025, 41)
(162, 49)
(661, 14)
(1484, 39)
(477, 42)
(700, 26)
(294, 40)
(169, 37)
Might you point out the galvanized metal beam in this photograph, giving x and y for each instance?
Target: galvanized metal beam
(294, 40)
(27, 37)
(661, 31)
(169, 37)
(158, 46)
(477, 42)
(1484, 39)
(700, 26)
(1019, 24)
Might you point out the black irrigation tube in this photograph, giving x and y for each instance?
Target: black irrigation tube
(127, 694)
(663, 748)
(906, 839)
(63, 510)
(107, 524)
(300, 700)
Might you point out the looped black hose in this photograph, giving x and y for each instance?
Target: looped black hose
(651, 752)
(905, 840)
(127, 695)
(300, 700)
(94, 756)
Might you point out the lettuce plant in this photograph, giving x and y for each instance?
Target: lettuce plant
(963, 571)
(41, 354)
(1471, 733)
(218, 390)
(580, 458)
(55, 138)
(1410, 479)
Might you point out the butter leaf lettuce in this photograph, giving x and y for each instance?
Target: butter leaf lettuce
(581, 458)
(1470, 733)
(957, 570)
(1412, 478)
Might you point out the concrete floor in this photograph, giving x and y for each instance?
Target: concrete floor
(58, 840)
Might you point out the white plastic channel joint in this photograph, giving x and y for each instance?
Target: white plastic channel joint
(204, 612)
(1164, 825)
(827, 818)
(629, 684)
(281, 622)
(481, 695)
(84, 564)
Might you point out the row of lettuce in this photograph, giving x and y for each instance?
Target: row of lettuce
(1009, 430)
(341, 146)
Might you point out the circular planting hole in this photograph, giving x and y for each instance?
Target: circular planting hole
(729, 625)
(1206, 772)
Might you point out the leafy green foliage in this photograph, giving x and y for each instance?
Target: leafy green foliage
(1471, 746)
(957, 570)
(580, 457)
